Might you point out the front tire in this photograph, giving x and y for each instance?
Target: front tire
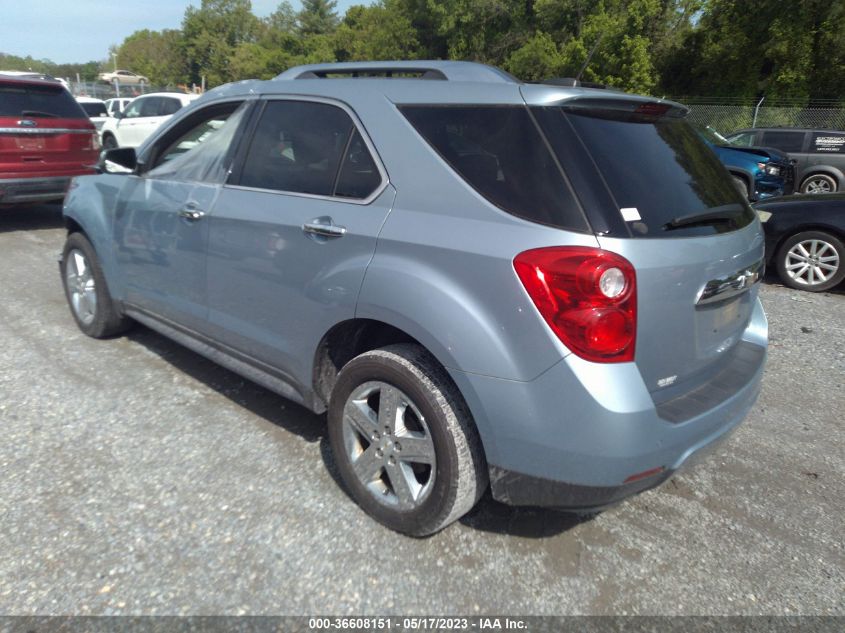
(404, 441)
(812, 260)
(819, 183)
(87, 293)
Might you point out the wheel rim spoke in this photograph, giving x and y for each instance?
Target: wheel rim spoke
(388, 409)
(416, 450)
(368, 466)
(402, 486)
(388, 445)
(360, 417)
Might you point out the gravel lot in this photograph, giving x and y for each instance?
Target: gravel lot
(137, 477)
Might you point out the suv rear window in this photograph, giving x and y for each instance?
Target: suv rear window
(657, 169)
(499, 151)
(38, 101)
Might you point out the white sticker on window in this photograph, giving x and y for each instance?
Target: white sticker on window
(630, 214)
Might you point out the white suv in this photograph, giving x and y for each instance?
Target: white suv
(131, 127)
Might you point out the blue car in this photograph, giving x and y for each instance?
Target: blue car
(758, 172)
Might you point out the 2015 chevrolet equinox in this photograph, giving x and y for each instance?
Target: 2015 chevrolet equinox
(550, 289)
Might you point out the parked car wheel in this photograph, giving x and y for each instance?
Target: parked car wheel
(819, 183)
(812, 260)
(741, 185)
(404, 441)
(85, 288)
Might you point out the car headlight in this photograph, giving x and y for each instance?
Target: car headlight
(773, 170)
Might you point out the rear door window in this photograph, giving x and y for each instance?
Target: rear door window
(38, 101)
(359, 177)
(168, 105)
(828, 143)
(297, 147)
(499, 151)
(784, 141)
(151, 106)
(656, 168)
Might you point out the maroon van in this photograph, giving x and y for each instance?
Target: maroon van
(45, 139)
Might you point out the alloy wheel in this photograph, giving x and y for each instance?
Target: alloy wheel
(81, 287)
(812, 262)
(389, 445)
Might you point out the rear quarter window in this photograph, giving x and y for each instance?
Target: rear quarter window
(39, 101)
(499, 151)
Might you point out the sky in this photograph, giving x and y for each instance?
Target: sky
(78, 31)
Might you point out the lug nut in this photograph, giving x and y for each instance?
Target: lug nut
(379, 453)
(397, 447)
(392, 461)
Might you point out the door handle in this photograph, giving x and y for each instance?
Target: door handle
(190, 213)
(324, 228)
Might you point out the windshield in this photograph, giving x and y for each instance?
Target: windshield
(656, 168)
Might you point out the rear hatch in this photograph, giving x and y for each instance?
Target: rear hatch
(657, 195)
(43, 131)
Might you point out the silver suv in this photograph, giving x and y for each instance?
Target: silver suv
(548, 289)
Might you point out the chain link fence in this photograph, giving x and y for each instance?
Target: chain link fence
(726, 117)
(103, 90)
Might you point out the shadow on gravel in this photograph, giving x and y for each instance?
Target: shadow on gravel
(488, 515)
(31, 218)
(267, 405)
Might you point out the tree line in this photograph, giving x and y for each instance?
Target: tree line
(783, 49)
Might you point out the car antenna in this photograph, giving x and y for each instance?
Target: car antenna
(589, 57)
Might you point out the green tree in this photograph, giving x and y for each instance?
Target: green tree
(376, 32)
(317, 17)
(212, 33)
(155, 54)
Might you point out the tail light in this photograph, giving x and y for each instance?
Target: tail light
(588, 297)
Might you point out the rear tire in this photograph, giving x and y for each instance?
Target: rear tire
(86, 291)
(812, 260)
(394, 396)
(819, 183)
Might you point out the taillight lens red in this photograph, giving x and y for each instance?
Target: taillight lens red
(588, 296)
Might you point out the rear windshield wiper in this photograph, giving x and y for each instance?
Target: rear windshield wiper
(39, 113)
(716, 215)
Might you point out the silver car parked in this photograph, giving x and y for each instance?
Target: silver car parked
(548, 289)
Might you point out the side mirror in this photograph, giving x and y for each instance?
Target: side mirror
(120, 160)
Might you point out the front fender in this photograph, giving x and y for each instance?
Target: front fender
(90, 204)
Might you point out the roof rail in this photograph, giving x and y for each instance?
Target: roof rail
(433, 69)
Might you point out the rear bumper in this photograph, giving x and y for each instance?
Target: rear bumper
(43, 189)
(583, 436)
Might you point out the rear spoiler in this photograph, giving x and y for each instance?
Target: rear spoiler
(598, 101)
